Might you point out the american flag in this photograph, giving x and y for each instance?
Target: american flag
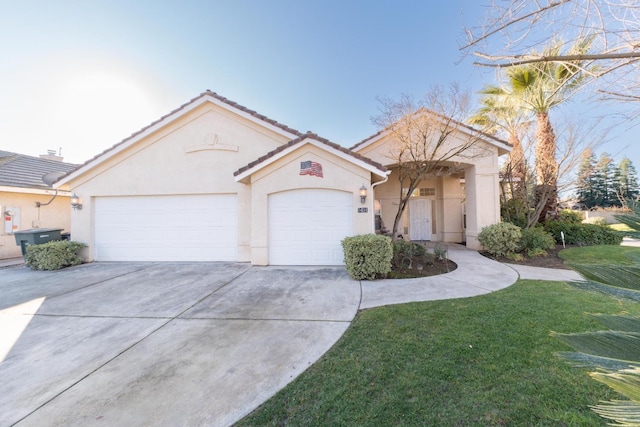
(311, 168)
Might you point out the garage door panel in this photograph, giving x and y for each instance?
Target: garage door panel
(307, 226)
(166, 228)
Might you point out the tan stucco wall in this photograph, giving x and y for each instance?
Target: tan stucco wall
(481, 196)
(55, 215)
(446, 206)
(284, 175)
(179, 159)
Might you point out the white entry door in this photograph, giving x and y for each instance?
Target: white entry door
(420, 219)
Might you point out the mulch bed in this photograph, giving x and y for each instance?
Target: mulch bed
(552, 260)
(428, 269)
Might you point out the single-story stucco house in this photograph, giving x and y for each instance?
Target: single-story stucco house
(27, 201)
(216, 181)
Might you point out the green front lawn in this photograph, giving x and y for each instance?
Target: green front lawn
(604, 254)
(480, 361)
(620, 227)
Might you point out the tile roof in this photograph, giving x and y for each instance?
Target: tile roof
(182, 107)
(456, 122)
(315, 137)
(19, 170)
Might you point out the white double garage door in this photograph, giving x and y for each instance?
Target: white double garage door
(305, 227)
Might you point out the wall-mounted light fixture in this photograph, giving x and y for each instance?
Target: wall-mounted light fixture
(363, 194)
(75, 202)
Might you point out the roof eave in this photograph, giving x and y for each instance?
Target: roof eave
(245, 175)
(165, 120)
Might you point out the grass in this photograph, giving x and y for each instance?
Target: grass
(604, 254)
(620, 227)
(483, 361)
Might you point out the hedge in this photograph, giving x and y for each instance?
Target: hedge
(53, 255)
(583, 234)
(368, 256)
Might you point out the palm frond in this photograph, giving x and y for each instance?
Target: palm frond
(622, 276)
(589, 285)
(618, 323)
(626, 381)
(583, 360)
(611, 344)
(625, 413)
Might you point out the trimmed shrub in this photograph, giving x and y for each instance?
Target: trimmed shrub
(536, 241)
(500, 239)
(583, 234)
(53, 255)
(368, 256)
(595, 220)
(570, 217)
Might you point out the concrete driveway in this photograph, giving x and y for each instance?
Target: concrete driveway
(176, 344)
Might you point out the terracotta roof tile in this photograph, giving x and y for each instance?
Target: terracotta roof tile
(315, 137)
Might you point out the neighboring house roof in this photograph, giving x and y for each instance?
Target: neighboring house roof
(184, 108)
(19, 170)
(283, 150)
(501, 144)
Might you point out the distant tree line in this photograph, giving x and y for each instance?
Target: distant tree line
(602, 183)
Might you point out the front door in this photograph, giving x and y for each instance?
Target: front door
(420, 219)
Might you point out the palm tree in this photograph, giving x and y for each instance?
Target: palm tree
(537, 88)
(504, 115)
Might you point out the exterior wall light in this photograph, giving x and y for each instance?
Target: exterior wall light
(363, 194)
(75, 202)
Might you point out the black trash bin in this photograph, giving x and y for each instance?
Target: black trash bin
(36, 236)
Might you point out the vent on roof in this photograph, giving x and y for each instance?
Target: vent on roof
(51, 155)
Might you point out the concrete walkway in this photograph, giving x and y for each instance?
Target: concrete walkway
(475, 275)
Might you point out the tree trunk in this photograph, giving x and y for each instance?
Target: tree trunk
(517, 167)
(546, 168)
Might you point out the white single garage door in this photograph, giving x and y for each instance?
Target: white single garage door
(306, 226)
(166, 228)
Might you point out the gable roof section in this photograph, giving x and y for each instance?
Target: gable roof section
(503, 146)
(207, 96)
(19, 170)
(362, 161)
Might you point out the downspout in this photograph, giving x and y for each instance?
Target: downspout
(373, 201)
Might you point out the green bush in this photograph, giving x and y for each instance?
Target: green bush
(53, 255)
(515, 212)
(403, 250)
(535, 242)
(500, 239)
(583, 234)
(595, 220)
(570, 217)
(368, 256)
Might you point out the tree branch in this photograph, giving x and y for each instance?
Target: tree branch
(530, 59)
(514, 21)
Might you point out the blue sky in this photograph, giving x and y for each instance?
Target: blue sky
(83, 75)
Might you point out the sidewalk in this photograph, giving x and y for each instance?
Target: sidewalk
(475, 275)
(11, 262)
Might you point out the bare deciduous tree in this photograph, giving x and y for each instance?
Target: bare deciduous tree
(426, 138)
(512, 30)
